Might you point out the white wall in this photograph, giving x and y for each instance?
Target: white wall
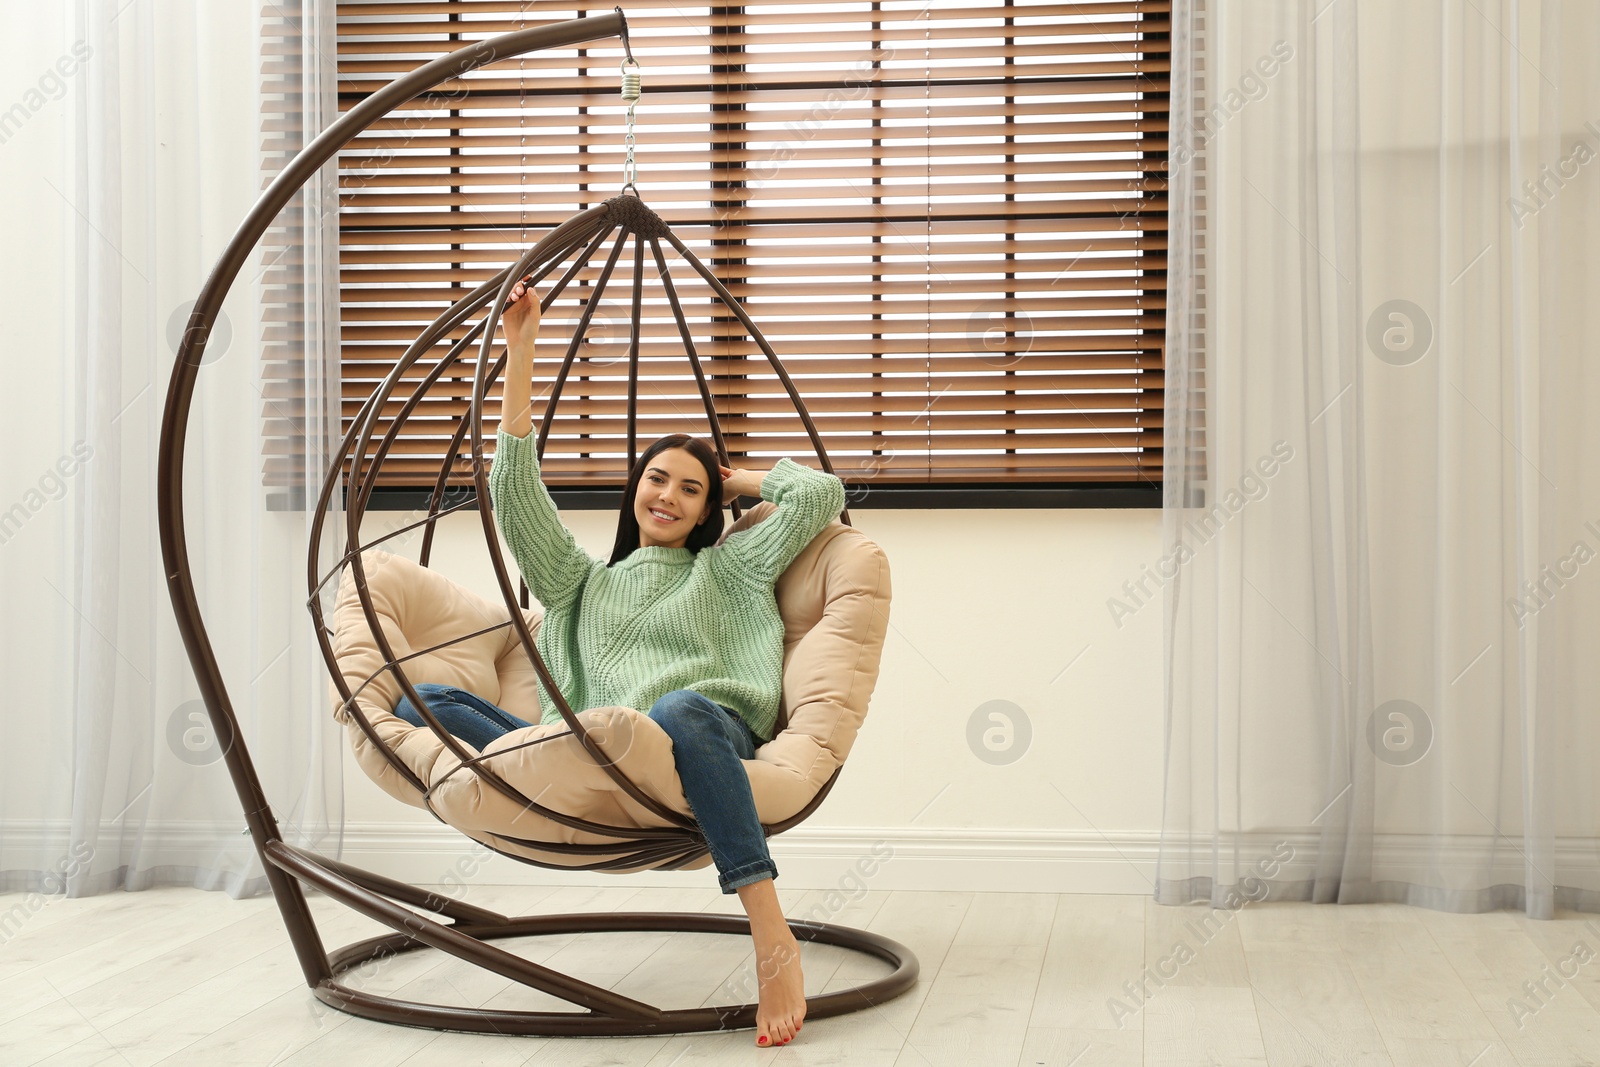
(988, 606)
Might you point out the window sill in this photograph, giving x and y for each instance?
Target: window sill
(972, 495)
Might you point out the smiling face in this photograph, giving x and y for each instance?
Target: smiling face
(671, 499)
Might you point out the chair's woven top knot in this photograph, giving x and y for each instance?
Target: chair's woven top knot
(629, 212)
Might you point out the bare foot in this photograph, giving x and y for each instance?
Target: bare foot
(781, 1003)
(782, 999)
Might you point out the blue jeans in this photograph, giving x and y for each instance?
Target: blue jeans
(708, 741)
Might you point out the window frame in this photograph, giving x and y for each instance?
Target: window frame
(931, 494)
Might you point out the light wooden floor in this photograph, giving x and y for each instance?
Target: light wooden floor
(179, 976)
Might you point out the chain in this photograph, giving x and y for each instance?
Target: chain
(630, 96)
(522, 141)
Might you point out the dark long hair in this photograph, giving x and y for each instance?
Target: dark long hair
(705, 533)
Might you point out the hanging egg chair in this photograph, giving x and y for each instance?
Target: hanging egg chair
(597, 791)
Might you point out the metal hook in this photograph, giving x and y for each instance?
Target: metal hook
(627, 46)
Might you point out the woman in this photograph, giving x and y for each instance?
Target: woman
(673, 621)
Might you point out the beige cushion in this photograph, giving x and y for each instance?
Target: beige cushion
(834, 601)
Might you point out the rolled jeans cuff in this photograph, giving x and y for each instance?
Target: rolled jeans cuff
(748, 874)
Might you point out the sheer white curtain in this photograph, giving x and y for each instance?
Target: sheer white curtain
(1382, 510)
(128, 183)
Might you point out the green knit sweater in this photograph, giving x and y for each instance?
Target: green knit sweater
(663, 618)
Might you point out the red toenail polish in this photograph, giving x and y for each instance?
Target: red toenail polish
(761, 1041)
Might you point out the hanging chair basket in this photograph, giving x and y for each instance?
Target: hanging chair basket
(596, 791)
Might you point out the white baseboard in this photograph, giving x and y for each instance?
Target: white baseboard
(884, 858)
(992, 861)
(983, 861)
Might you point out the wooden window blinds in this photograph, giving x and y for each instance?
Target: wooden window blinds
(949, 219)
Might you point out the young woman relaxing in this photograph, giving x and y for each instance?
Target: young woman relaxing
(673, 622)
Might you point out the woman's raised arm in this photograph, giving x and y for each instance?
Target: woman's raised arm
(549, 557)
(520, 322)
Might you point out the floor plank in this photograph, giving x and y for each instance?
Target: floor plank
(1408, 984)
(1191, 1024)
(1311, 1010)
(979, 1002)
(1096, 949)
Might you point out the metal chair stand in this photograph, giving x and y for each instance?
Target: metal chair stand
(469, 932)
(609, 1014)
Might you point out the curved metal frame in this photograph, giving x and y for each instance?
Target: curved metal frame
(382, 898)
